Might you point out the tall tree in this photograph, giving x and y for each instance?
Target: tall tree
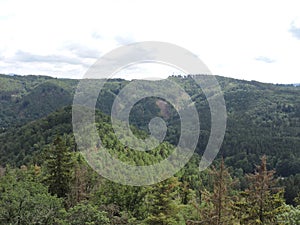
(263, 200)
(163, 205)
(59, 167)
(221, 199)
(83, 181)
(217, 206)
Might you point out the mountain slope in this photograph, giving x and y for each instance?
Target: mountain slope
(262, 118)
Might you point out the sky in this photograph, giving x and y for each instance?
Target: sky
(251, 40)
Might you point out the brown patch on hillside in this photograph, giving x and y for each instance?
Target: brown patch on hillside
(164, 108)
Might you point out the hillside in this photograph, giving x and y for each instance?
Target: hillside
(262, 119)
(26, 98)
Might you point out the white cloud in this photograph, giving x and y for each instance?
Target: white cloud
(147, 71)
(295, 29)
(265, 59)
(82, 51)
(229, 36)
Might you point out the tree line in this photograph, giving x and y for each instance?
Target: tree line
(65, 190)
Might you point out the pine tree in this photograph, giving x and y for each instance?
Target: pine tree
(263, 200)
(83, 181)
(217, 205)
(221, 199)
(59, 167)
(163, 207)
(78, 188)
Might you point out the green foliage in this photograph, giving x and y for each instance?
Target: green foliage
(84, 180)
(42, 101)
(36, 131)
(86, 214)
(263, 201)
(217, 209)
(292, 188)
(163, 203)
(25, 145)
(25, 98)
(59, 167)
(262, 118)
(26, 202)
(128, 199)
(291, 216)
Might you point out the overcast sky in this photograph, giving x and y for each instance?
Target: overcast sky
(252, 40)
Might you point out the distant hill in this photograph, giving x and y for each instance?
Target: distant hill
(26, 98)
(262, 118)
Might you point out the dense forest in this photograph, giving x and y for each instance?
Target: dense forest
(44, 179)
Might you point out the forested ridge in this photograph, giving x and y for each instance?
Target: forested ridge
(254, 180)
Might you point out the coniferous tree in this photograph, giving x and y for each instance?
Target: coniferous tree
(163, 207)
(78, 188)
(83, 181)
(217, 206)
(263, 200)
(59, 165)
(221, 199)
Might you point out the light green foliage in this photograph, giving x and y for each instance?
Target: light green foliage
(290, 217)
(86, 214)
(129, 199)
(163, 203)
